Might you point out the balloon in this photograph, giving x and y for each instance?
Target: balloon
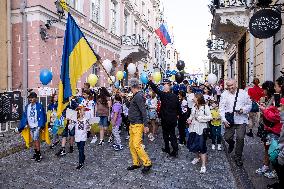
(212, 79)
(111, 79)
(124, 74)
(157, 77)
(180, 65)
(179, 77)
(116, 84)
(107, 65)
(92, 79)
(131, 68)
(119, 75)
(45, 76)
(144, 78)
(173, 78)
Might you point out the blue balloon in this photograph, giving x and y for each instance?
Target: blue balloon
(144, 78)
(45, 76)
(116, 84)
(124, 74)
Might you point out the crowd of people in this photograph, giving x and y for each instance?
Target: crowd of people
(199, 112)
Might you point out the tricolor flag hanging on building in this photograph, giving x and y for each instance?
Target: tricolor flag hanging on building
(163, 35)
(77, 58)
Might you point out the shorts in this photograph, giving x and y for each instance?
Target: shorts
(35, 133)
(152, 115)
(69, 132)
(103, 122)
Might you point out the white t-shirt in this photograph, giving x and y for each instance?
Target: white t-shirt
(81, 128)
(184, 106)
(32, 116)
(90, 104)
(190, 98)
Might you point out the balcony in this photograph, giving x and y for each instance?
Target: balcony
(134, 48)
(216, 49)
(230, 18)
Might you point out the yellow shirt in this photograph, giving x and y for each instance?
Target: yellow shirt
(216, 118)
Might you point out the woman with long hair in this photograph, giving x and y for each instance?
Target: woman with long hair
(102, 106)
(198, 123)
(269, 124)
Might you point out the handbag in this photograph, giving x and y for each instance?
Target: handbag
(230, 115)
(254, 107)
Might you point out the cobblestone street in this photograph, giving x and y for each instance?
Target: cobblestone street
(106, 168)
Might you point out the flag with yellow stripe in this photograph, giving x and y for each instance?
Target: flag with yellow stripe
(77, 58)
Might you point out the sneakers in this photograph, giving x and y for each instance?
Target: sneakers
(250, 134)
(71, 149)
(262, 170)
(213, 147)
(101, 142)
(133, 167)
(80, 166)
(195, 161)
(219, 148)
(38, 157)
(34, 157)
(127, 137)
(61, 152)
(118, 147)
(110, 139)
(94, 140)
(151, 137)
(146, 169)
(271, 175)
(202, 170)
(114, 145)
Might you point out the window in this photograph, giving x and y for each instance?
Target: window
(149, 12)
(168, 54)
(135, 28)
(114, 13)
(76, 4)
(143, 33)
(126, 18)
(232, 67)
(96, 11)
(143, 8)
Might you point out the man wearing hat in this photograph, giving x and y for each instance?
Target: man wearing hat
(138, 119)
(34, 117)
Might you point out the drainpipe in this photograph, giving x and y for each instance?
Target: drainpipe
(9, 46)
(25, 50)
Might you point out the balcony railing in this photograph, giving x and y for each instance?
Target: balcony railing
(135, 40)
(228, 3)
(216, 44)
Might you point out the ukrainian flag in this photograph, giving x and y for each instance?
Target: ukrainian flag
(77, 58)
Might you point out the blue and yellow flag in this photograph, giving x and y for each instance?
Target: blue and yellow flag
(77, 58)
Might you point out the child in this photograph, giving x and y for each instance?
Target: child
(116, 120)
(182, 117)
(197, 124)
(51, 118)
(34, 117)
(152, 114)
(81, 129)
(216, 126)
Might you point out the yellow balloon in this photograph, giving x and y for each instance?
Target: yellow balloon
(157, 77)
(173, 78)
(92, 79)
(119, 75)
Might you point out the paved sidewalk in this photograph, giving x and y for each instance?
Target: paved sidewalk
(106, 168)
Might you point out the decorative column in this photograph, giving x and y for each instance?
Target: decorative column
(268, 59)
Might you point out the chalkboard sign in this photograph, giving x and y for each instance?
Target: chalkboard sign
(265, 23)
(11, 106)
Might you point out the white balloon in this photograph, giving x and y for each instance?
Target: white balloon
(131, 68)
(107, 65)
(212, 79)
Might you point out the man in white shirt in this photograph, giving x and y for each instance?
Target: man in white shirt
(242, 108)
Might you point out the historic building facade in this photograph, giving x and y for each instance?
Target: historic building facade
(243, 56)
(119, 30)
